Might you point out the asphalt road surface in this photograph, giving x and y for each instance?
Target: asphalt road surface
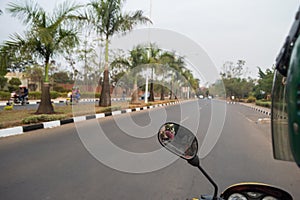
(63, 162)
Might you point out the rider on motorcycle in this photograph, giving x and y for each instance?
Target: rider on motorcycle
(23, 93)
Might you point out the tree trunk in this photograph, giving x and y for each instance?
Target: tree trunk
(105, 99)
(171, 92)
(151, 97)
(134, 96)
(45, 107)
(162, 93)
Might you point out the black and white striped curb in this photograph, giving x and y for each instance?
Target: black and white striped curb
(64, 101)
(232, 102)
(263, 110)
(23, 129)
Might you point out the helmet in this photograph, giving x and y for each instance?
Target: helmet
(286, 98)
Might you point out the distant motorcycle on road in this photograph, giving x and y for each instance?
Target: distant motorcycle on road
(20, 97)
(73, 97)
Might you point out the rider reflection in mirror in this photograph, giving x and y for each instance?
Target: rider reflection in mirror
(167, 132)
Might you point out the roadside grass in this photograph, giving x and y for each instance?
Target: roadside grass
(266, 104)
(11, 118)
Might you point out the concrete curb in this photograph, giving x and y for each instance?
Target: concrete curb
(23, 129)
(3, 103)
(263, 110)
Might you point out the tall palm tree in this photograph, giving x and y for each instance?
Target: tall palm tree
(47, 36)
(177, 65)
(153, 60)
(137, 58)
(166, 59)
(107, 19)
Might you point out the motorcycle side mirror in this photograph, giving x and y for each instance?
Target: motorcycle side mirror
(179, 140)
(182, 142)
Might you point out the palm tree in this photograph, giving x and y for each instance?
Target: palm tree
(153, 60)
(48, 35)
(107, 19)
(166, 59)
(137, 58)
(177, 64)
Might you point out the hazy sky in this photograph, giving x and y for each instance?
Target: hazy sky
(252, 30)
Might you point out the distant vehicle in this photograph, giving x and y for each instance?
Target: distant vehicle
(143, 96)
(19, 97)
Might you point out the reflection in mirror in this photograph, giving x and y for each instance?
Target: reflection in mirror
(179, 140)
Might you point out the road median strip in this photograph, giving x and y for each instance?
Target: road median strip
(51, 124)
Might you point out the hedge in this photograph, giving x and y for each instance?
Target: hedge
(251, 99)
(266, 104)
(111, 108)
(4, 95)
(42, 118)
(53, 95)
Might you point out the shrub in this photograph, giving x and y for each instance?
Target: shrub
(266, 104)
(64, 94)
(42, 118)
(111, 108)
(12, 88)
(4, 95)
(34, 95)
(9, 107)
(59, 89)
(54, 94)
(15, 81)
(251, 99)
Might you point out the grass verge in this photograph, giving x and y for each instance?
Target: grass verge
(11, 118)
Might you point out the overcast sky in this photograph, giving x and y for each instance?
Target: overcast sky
(229, 30)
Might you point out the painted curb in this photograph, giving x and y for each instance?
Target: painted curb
(263, 110)
(45, 125)
(64, 101)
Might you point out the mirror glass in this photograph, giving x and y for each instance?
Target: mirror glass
(179, 140)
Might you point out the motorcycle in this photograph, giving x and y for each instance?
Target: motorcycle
(185, 145)
(15, 99)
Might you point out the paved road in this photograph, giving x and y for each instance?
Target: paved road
(54, 163)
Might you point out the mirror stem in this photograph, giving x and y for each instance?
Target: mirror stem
(196, 163)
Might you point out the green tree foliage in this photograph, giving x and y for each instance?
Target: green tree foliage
(137, 57)
(15, 81)
(238, 87)
(166, 70)
(233, 82)
(14, 84)
(263, 88)
(47, 35)
(107, 19)
(62, 77)
(3, 82)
